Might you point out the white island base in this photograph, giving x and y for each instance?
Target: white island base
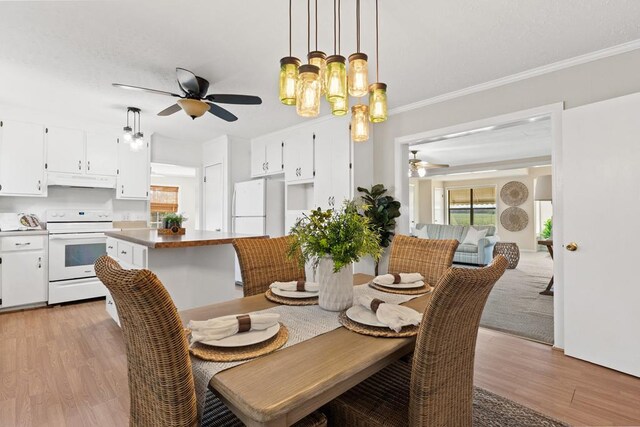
(194, 270)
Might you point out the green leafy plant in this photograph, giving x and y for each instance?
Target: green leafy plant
(382, 212)
(173, 219)
(547, 230)
(344, 235)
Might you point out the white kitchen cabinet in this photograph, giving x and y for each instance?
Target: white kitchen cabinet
(101, 154)
(65, 150)
(23, 271)
(133, 172)
(332, 184)
(267, 156)
(299, 156)
(22, 159)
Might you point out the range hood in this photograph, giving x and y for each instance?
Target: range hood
(86, 181)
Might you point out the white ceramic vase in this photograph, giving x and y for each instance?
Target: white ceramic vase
(336, 289)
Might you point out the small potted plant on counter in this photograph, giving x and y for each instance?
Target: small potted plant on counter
(172, 224)
(332, 241)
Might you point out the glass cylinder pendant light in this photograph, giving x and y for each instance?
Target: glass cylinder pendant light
(377, 91)
(308, 91)
(358, 69)
(359, 123)
(336, 78)
(340, 107)
(288, 73)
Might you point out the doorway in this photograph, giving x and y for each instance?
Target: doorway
(469, 181)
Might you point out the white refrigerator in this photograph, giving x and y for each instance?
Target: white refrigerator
(257, 208)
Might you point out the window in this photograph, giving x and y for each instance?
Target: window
(164, 200)
(472, 206)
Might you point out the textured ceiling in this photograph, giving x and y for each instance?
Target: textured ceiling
(56, 56)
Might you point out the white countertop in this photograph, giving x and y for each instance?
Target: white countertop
(24, 233)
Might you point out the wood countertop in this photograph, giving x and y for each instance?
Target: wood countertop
(151, 239)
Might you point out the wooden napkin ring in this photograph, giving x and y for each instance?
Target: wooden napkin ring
(300, 285)
(244, 323)
(396, 278)
(375, 303)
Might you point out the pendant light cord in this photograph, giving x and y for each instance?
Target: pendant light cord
(358, 25)
(334, 27)
(316, 25)
(339, 25)
(377, 48)
(308, 26)
(290, 27)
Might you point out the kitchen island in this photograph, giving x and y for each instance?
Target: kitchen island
(197, 268)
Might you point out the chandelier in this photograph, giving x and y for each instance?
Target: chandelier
(304, 85)
(134, 137)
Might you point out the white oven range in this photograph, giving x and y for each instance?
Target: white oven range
(76, 240)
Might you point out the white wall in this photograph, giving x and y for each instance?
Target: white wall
(175, 152)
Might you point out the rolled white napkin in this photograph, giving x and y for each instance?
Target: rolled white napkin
(300, 286)
(391, 279)
(226, 326)
(393, 315)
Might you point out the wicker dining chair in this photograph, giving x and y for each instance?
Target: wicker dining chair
(264, 261)
(431, 258)
(437, 388)
(161, 385)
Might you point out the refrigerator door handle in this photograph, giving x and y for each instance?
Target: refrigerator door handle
(233, 211)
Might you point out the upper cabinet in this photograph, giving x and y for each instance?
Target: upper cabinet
(299, 156)
(333, 154)
(266, 156)
(22, 159)
(101, 154)
(133, 172)
(65, 150)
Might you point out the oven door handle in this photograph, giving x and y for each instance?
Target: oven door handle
(76, 236)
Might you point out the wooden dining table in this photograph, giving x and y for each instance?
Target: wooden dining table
(283, 387)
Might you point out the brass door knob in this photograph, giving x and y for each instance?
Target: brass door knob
(572, 246)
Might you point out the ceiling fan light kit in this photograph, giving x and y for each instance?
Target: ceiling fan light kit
(333, 79)
(193, 107)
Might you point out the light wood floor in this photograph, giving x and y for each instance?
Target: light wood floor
(66, 366)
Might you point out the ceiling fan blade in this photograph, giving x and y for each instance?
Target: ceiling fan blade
(426, 165)
(188, 81)
(235, 99)
(144, 89)
(218, 111)
(204, 86)
(170, 110)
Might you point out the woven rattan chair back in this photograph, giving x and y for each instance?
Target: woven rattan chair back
(441, 391)
(160, 378)
(264, 261)
(431, 258)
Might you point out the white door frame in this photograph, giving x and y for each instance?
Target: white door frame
(554, 111)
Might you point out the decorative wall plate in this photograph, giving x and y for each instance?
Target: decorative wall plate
(514, 219)
(514, 193)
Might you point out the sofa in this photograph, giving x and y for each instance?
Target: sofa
(467, 253)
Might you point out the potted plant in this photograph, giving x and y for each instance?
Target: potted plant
(382, 211)
(332, 241)
(173, 221)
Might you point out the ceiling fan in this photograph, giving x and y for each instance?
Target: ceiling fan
(418, 168)
(194, 99)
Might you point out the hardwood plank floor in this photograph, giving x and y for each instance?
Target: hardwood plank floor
(66, 366)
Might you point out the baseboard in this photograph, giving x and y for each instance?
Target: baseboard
(554, 348)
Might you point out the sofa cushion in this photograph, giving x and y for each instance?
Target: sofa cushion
(467, 248)
(473, 235)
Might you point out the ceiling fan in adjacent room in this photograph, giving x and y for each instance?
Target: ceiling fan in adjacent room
(194, 99)
(418, 168)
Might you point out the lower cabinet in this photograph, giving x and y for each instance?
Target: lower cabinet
(23, 271)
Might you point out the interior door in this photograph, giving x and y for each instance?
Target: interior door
(601, 204)
(102, 154)
(65, 150)
(214, 198)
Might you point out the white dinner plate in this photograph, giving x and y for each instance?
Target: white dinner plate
(359, 314)
(413, 285)
(245, 338)
(293, 294)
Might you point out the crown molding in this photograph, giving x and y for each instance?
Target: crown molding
(534, 72)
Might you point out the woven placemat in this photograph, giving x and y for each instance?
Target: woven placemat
(237, 354)
(290, 301)
(413, 291)
(407, 331)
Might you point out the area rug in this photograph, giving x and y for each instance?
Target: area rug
(515, 305)
(489, 410)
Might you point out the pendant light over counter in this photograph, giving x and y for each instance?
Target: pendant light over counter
(134, 137)
(303, 85)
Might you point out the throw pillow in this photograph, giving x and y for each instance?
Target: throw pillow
(422, 233)
(474, 235)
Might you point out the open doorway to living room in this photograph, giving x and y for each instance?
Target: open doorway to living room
(490, 188)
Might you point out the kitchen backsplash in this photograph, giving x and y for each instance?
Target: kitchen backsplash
(80, 198)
